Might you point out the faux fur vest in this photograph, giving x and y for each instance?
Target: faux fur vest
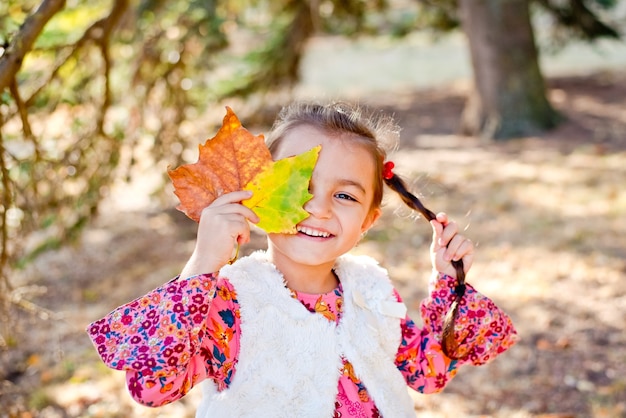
(290, 359)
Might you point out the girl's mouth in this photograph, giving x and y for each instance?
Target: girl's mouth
(311, 232)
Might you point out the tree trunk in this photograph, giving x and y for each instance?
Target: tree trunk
(509, 98)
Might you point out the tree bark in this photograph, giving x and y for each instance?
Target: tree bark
(509, 98)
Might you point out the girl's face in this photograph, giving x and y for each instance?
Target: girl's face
(341, 208)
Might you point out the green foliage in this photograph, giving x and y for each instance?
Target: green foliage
(12, 15)
(69, 25)
(438, 16)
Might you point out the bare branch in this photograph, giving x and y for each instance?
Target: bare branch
(23, 112)
(7, 201)
(22, 43)
(100, 33)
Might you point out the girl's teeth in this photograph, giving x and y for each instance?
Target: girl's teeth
(313, 232)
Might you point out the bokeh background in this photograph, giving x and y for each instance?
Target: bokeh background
(513, 117)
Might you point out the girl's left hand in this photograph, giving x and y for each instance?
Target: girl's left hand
(449, 245)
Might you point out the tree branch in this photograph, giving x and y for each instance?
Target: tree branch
(579, 17)
(7, 201)
(22, 43)
(103, 40)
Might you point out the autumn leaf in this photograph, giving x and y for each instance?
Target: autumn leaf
(227, 162)
(280, 192)
(236, 160)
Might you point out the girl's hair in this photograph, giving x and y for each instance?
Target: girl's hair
(374, 131)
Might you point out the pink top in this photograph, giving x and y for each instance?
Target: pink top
(188, 330)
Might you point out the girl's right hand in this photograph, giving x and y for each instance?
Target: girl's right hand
(223, 225)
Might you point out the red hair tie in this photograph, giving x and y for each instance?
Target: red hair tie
(388, 170)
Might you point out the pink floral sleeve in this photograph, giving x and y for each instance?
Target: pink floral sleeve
(483, 330)
(421, 360)
(172, 338)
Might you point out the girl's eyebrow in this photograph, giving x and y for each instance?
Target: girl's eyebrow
(348, 182)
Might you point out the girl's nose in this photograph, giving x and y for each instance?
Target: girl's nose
(318, 207)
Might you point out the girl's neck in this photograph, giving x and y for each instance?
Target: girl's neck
(311, 279)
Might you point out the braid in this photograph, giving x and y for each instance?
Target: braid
(449, 344)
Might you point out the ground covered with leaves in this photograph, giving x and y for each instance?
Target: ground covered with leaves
(548, 214)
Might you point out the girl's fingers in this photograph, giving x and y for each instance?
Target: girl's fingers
(232, 197)
(448, 245)
(449, 232)
(241, 210)
(458, 247)
(438, 224)
(437, 230)
(231, 203)
(237, 226)
(444, 232)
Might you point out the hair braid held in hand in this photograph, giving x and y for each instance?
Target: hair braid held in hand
(374, 131)
(448, 344)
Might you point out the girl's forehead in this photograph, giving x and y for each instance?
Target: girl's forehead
(341, 159)
(302, 138)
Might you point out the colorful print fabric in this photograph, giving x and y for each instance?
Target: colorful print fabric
(188, 330)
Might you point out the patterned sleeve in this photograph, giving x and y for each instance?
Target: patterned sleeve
(482, 330)
(172, 338)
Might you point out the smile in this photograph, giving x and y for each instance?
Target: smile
(312, 232)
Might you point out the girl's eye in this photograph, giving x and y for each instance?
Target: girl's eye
(345, 196)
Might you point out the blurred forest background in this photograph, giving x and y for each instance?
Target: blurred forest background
(514, 122)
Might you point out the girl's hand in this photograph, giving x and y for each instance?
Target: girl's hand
(448, 245)
(223, 225)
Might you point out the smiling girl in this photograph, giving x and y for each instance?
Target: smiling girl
(304, 329)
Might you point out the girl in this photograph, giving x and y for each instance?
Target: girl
(304, 329)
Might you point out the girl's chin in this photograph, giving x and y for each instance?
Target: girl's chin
(306, 253)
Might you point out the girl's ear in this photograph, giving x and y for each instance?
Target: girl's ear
(371, 219)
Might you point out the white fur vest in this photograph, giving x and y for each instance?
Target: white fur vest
(290, 359)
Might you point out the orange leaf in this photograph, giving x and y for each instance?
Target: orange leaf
(227, 162)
